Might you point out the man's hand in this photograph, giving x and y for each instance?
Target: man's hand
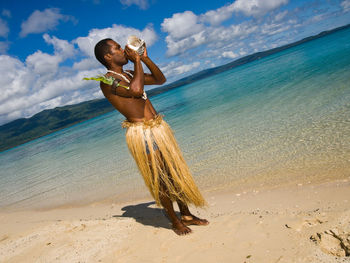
(144, 55)
(132, 55)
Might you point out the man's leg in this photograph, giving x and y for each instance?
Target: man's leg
(188, 218)
(178, 226)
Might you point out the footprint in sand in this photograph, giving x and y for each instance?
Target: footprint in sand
(335, 242)
(298, 225)
(4, 238)
(312, 222)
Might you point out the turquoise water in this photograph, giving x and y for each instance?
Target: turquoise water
(281, 119)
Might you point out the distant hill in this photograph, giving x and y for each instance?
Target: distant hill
(26, 129)
(23, 130)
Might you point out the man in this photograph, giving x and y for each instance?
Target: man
(149, 138)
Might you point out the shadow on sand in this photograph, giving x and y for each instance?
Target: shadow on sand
(146, 215)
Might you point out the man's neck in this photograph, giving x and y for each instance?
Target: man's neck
(116, 69)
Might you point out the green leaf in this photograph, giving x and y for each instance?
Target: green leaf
(125, 87)
(107, 80)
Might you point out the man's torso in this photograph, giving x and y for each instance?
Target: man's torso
(134, 109)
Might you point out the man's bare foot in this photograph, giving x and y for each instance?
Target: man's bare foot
(181, 229)
(193, 220)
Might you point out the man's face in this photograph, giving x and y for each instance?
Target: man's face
(117, 52)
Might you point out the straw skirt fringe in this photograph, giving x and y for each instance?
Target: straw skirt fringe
(163, 166)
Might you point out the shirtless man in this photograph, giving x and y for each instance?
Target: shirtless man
(133, 104)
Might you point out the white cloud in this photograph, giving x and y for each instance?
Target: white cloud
(222, 36)
(254, 8)
(187, 30)
(272, 29)
(229, 54)
(184, 32)
(210, 53)
(177, 68)
(25, 93)
(185, 68)
(142, 4)
(61, 47)
(116, 32)
(317, 18)
(345, 5)
(4, 46)
(242, 52)
(43, 63)
(182, 25)
(46, 65)
(42, 21)
(167, 69)
(58, 86)
(218, 42)
(6, 13)
(213, 37)
(178, 47)
(280, 16)
(39, 83)
(4, 29)
(15, 79)
(257, 8)
(86, 63)
(215, 17)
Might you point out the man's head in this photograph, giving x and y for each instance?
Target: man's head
(109, 52)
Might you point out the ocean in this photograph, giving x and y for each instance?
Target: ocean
(282, 119)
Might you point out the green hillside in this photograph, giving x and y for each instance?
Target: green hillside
(23, 130)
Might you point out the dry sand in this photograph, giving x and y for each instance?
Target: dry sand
(300, 223)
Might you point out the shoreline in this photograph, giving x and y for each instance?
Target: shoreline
(140, 193)
(261, 182)
(268, 225)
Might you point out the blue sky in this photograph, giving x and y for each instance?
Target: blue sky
(46, 47)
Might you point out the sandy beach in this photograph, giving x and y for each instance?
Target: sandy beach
(256, 93)
(297, 223)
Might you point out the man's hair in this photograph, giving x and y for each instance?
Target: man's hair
(101, 49)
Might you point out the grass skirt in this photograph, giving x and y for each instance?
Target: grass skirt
(163, 166)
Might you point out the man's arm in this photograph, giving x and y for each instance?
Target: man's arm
(137, 82)
(156, 77)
